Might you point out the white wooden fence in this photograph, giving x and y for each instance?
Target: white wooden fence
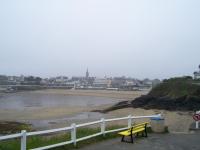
(197, 119)
(23, 135)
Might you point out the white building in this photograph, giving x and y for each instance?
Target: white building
(102, 82)
(130, 83)
(61, 80)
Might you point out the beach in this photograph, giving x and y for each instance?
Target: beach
(50, 109)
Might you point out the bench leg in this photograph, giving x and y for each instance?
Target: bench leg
(145, 133)
(132, 138)
(137, 134)
(122, 140)
(145, 130)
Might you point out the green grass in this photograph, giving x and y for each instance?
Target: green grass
(38, 141)
(176, 87)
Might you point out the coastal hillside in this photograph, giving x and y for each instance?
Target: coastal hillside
(173, 94)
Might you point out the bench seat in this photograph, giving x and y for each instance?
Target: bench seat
(128, 132)
(135, 130)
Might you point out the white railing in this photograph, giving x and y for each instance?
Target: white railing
(23, 135)
(197, 119)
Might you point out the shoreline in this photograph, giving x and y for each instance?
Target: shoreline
(56, 117)
(127, 95)
(177, 121)
(59, 116)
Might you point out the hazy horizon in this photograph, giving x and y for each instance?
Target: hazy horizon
(140, 39)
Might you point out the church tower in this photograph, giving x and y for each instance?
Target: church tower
(87, 74)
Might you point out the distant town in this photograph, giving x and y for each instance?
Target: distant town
(13, 83)
(10, 83)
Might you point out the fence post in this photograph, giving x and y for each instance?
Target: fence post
(73, 133)
(103, 126)
(197, 124)
(23, 140)
(129, 121)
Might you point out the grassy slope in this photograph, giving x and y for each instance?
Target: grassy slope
(176, 87)
(181, 94)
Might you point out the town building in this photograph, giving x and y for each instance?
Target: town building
(61, 80)
(118, 82)
(87, 74)
(3, 79)
(102, 82)
(147, 82)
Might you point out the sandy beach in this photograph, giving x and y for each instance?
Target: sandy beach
(61, 111)
(128, 95)
(59, 116)
(175, 120)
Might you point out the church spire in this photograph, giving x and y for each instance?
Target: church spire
(87, 74)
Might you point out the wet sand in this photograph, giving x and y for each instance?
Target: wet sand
(56, 108)
(127, 95)
(49, 104)
(63, 115)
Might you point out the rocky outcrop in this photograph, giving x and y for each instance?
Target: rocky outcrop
(184, 103)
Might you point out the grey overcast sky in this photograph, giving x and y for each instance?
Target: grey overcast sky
(136, 38)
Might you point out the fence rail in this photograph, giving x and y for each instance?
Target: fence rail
(23, 135)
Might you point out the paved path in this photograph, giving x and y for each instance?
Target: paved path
(179, 141)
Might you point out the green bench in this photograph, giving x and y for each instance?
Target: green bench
(135, 130)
